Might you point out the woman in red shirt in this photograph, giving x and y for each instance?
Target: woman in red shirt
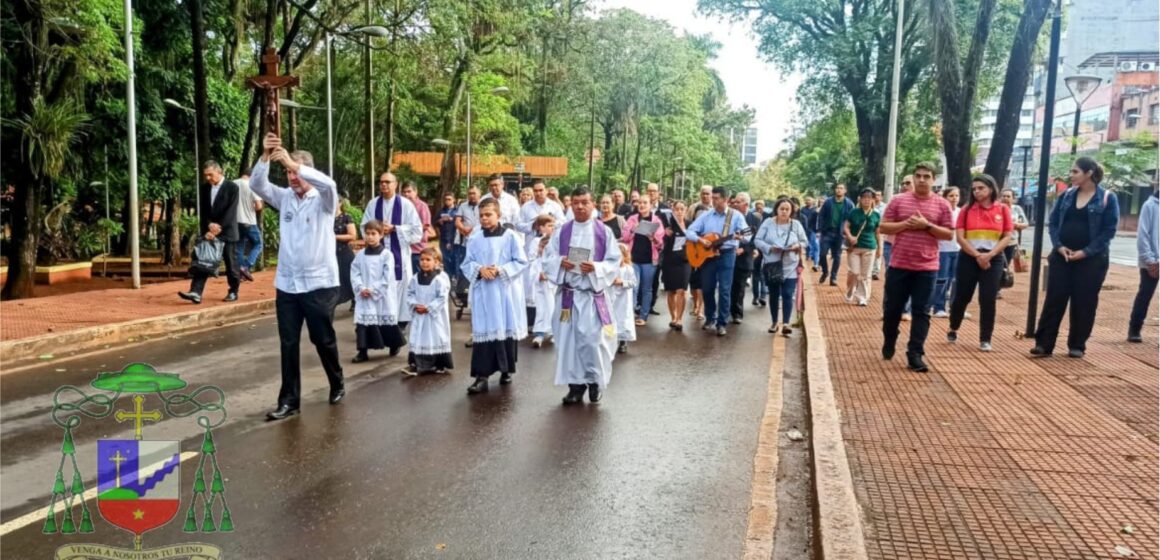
(983, 231)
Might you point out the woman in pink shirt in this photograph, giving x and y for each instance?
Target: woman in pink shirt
(644, 246)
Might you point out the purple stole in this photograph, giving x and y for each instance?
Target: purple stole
(567, 294)
(396, 247)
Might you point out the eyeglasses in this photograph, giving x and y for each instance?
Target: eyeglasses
(385, 182)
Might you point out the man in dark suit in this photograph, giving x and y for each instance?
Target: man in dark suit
(219, 220)
(743, 267)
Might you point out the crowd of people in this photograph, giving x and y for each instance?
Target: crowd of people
(581, 273)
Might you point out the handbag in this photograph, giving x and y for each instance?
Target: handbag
(1020, 263)
(207, 257)
(1008, 279)
(774, 272)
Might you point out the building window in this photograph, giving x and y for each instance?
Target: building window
(1154, 114)
(1131, 116)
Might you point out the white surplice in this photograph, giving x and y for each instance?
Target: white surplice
(542, 295)
(409, 231)
(377, 274)
(430, 332)
(584, 347)
(509, 208)
(532, 210)
(623, 299)
(495, 313)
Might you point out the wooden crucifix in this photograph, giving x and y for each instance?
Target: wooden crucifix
(270, 81)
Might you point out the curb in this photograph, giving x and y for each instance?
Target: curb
(839, 519)
(22, 352)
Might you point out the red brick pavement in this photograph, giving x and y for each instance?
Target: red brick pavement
(996, 456)
(56, 314)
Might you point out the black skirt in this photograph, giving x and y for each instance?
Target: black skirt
(345, 258)
(374, 337)
(427, 363)
(675, 273)
(490, 357)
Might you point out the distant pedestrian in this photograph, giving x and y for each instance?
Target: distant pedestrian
(675, 269)
(345, 234)
(644, 235)
(864, 242)
(754, 219)
(430, 333)
(624, 288)
(1019, 217)
(614, 220)
(703, 205)
(619, 204)
(983, 231)
(948, 259)
(1148, 246)
(543, 294)
(782, 240)
(448, 236)
(1082, 225)
(918, 220)
(376, 309)
(249, 209)
(402, 227)
(809, 218)
(743, 267)
(833, 214)
(411, 193)
(219, 221)
(307, 275)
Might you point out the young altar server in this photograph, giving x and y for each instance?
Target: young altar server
(493, 264)
(623, 293)
(541, 292)
(430, 336)
(401, 228)
(376, 310)
(583, 259)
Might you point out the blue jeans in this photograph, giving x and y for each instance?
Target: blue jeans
(785, 290)
(831, 244)
(760, 290)
(251, 233)
(948, 262)
(812, 246)
(644, 279)
(450, 261)
(717, 274)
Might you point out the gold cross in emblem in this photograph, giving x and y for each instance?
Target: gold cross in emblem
(117, 459)
(138, 415)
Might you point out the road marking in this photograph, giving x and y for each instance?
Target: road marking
(39, 514)
(763, 492)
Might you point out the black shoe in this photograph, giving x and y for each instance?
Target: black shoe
(756, 302)
(1074, 353)
(505, 378)
(622, 348)
(594, 392)
(360, 358)
(1040, 352)
(822, 280)
(283, 411)
(232, 296)
(1135, 337)
(786, 330)
(709, 325)
(887, 351)
(395, 351)
(189, 296)
(874, 277)
(654, 312)
(245, 272)
(915, 363)
(736, 320)
(480, 386)
(337, 395)
(952, 336)
(815, 268)
(833, 282)
(721, 331)
(575, 394)
(468, 343)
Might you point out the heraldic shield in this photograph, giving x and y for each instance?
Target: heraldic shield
(138, 483)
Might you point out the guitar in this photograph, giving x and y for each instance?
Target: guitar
(698, 253)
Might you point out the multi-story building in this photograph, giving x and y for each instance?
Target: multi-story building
(749, 147)
(985, 131)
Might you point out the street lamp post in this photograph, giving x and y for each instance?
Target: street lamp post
(369, 31)
(196, 164)
(892, 127)
(1026, 155)
(1081, 88)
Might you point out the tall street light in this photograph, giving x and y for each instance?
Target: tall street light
(1081, 88)
(496, 90)
(365, 30)
(196, 165)
(131, 102)
(892, 132)
(1044, 169)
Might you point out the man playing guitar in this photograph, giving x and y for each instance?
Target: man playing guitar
(717, 231)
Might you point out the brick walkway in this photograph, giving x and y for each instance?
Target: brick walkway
(56, 314)
(997, 456)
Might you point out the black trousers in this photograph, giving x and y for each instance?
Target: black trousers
(1077, 283)
(902, 285)
(230, 256)
(737, 293)
(1143, 301)
(967, 277)
(831, 244)
(316, 308)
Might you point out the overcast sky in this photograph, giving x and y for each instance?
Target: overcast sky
(748, 79)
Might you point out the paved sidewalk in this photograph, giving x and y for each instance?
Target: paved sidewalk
(28, 318)
(997, 455)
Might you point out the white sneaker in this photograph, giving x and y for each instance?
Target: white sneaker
(906, 316)
(537, 342)
(409, 371)
(967, 315)
(984, 346)
(850, 298)
(942, 314)
(863, 303)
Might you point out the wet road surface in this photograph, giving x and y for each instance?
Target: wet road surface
(413, 468)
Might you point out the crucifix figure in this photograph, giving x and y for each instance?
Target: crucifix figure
(138, 416)
(270, 82)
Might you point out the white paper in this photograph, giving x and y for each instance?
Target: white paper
(577, 255)
(678, 244)
(646, 229)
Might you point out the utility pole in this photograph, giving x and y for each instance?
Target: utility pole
(892, 133)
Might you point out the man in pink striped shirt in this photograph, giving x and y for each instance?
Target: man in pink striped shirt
(918, 220)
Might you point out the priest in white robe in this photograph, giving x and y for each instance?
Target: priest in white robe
(403, 229)
(583, 259)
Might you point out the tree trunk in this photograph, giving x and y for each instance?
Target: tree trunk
(871, 146)
(449, 171)
(25, 238)
(173, 249)
(200, 93)
(1014, 88)
(389, 141)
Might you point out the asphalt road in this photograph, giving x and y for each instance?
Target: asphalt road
(413, 468)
